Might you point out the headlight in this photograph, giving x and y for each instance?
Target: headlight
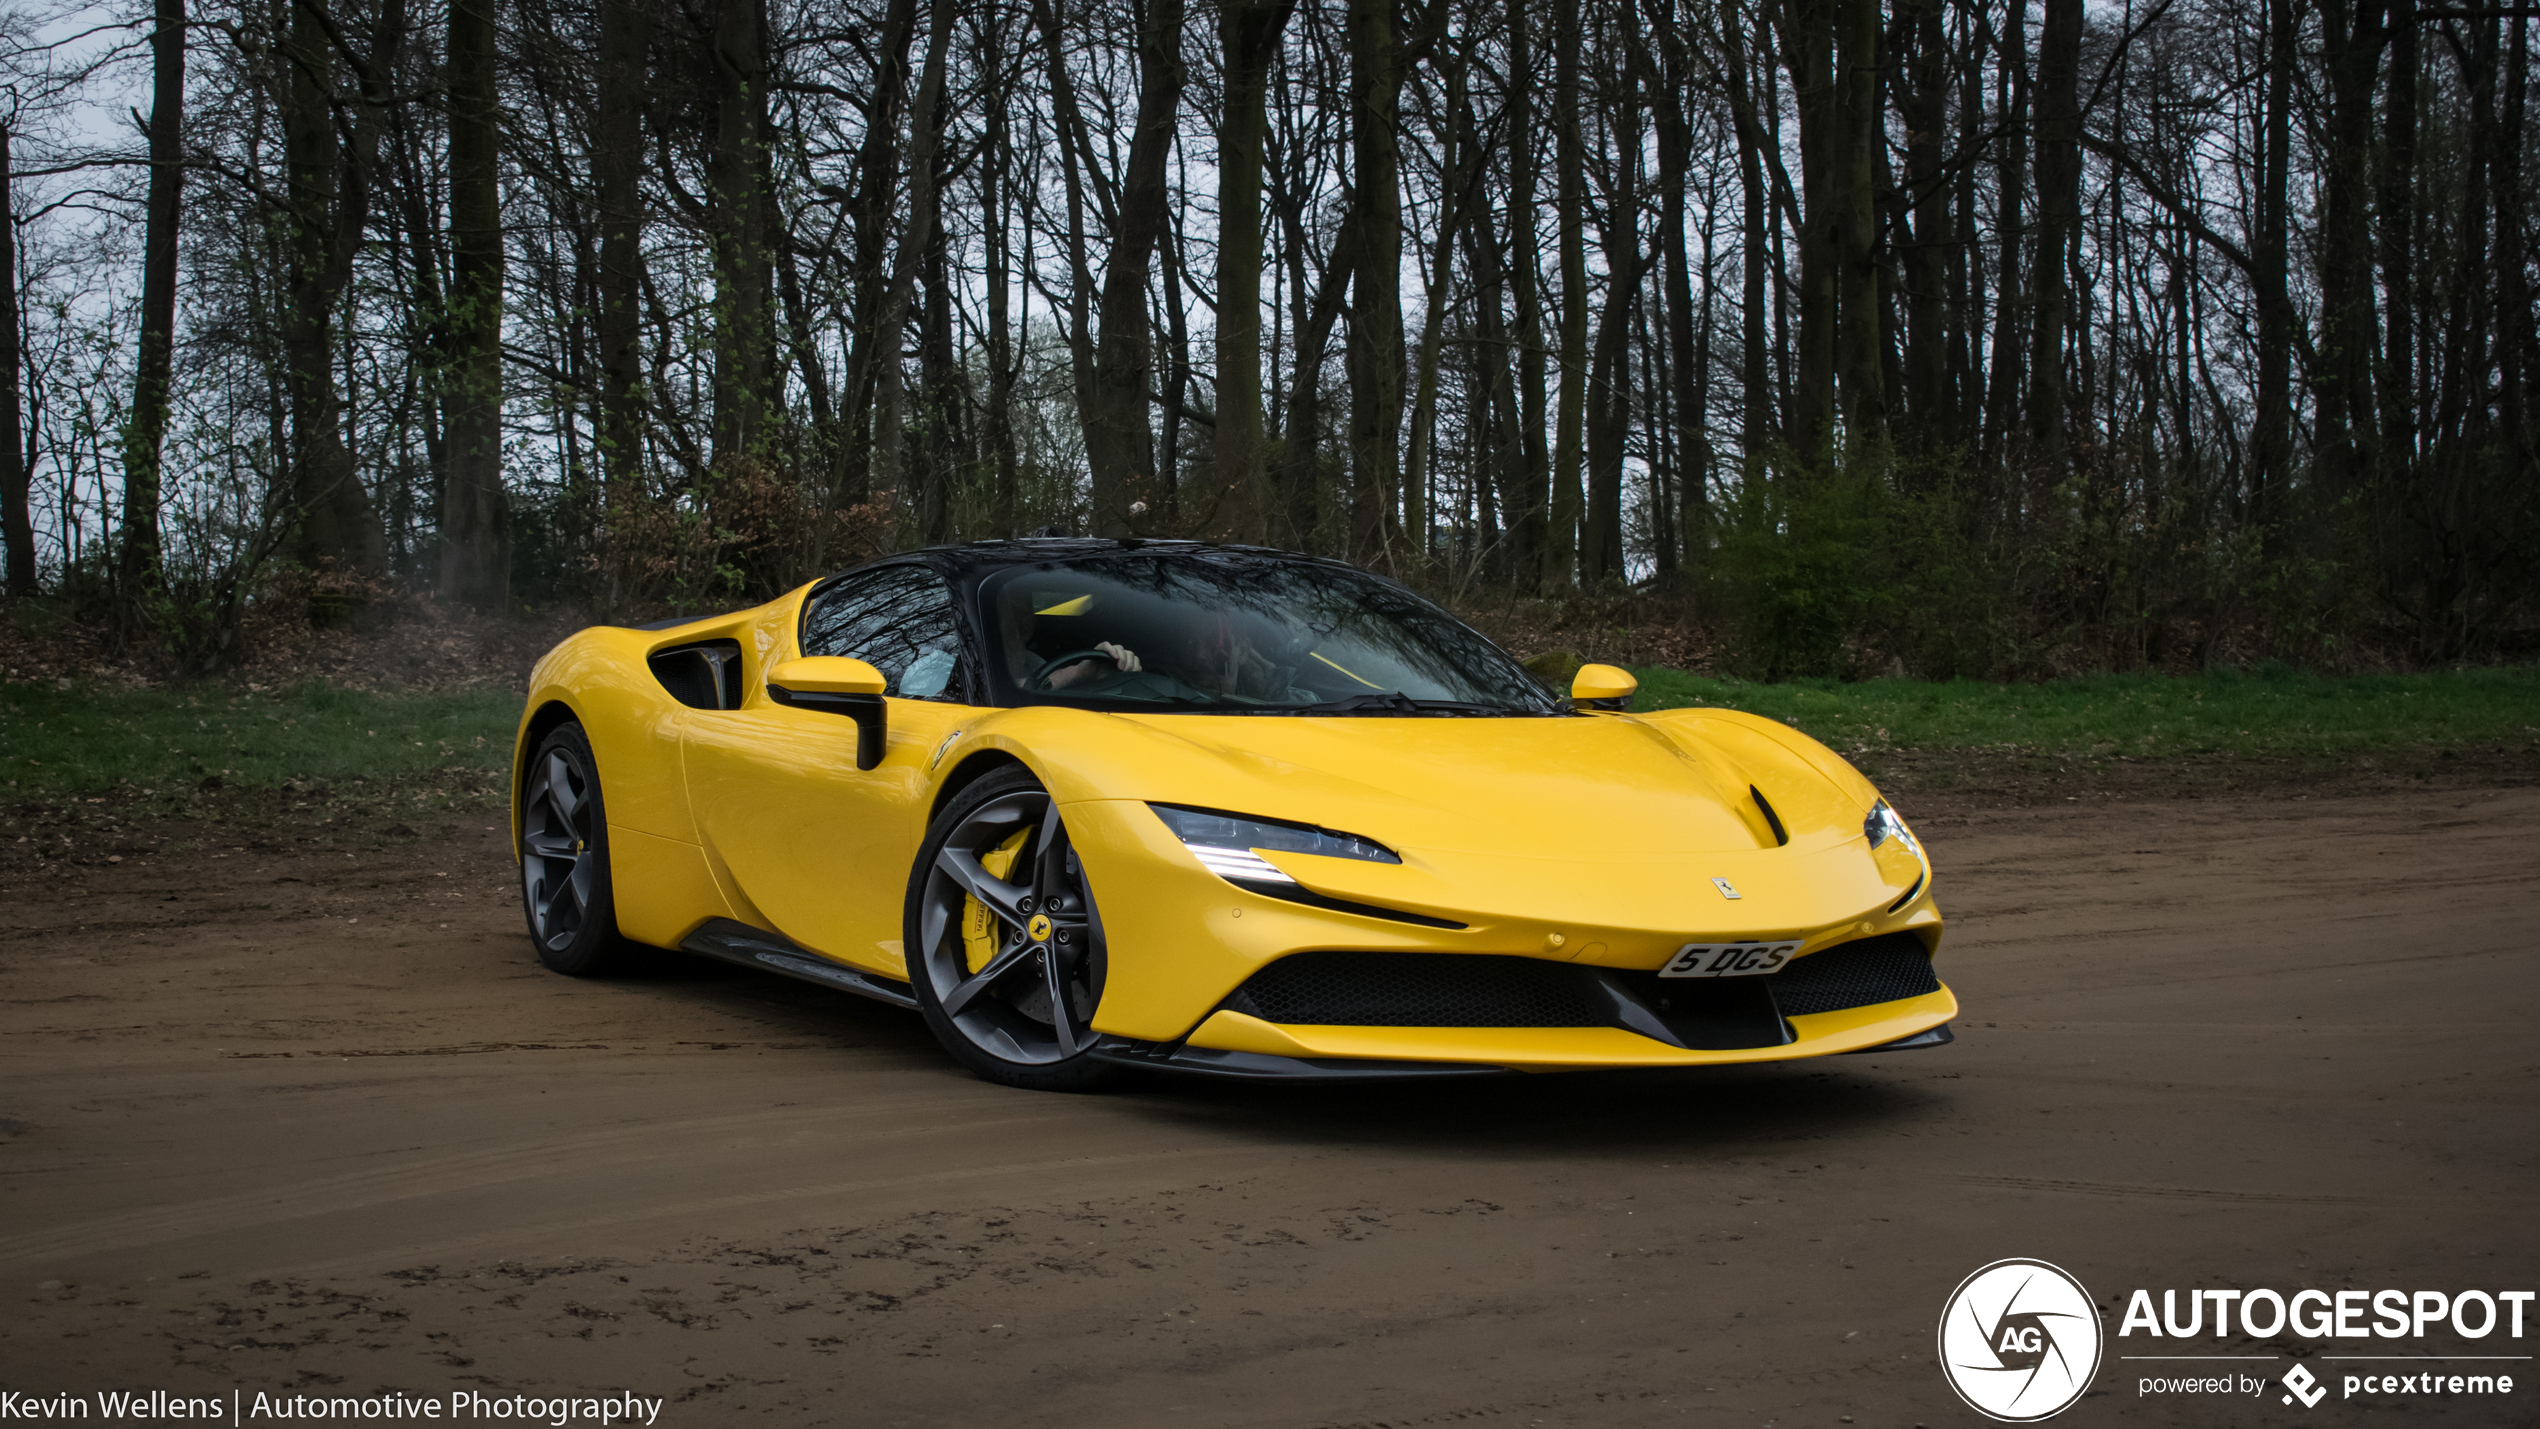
(1224, 842)
(1882, 825)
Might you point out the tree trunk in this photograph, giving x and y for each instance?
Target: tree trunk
(944, 455)
(2514, 338)
(1080, 280)
(821, 440)
(1861, 336)
(1374, 340)
(997, 222)
(1456, 180)
(617, 158)
(1249, 36)
(1497, 401)
(1165, 505)
(1675, 148)
(1922, 106)
(139, 576)
(1808, 41)
(2398, 267)
(2002, 396)
(1609, 402)
(1300, 447)
(877, 169)
(744, 335)
(1526, 508)
(328, 196)
(475, 517)
(2462, 389)
(926, 139)
(1569, 159)
(1117, 437)
(1966, 308)
(1755, 370)
(17, 523)
(1699, 449)
(2352, 38)
(2058, 219)
(2269, 441)
(1609, 405)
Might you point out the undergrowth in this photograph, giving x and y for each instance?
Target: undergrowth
(2274, 713)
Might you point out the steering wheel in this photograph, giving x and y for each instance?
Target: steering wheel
(1041, 677)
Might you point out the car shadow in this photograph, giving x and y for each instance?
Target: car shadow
(1626, 1112)
(780, 1005)
(1633, 1113)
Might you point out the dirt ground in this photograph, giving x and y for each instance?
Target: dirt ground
(290, 1112)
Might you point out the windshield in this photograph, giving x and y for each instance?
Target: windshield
(1232, 632)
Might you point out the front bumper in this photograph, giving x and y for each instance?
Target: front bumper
(1568, 1049)
(1182, 943)
(1195, 1060)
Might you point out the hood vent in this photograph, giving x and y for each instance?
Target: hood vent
(1773, 821)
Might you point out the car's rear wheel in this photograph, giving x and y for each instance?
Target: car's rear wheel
(564, 860)
(1005, 948)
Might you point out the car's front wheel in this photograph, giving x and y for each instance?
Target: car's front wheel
(564, 860)
(1005, 948)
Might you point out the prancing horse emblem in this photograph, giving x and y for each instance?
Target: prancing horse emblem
(1727, 889)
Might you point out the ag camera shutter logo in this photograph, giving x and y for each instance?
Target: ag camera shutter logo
(2020, 1341)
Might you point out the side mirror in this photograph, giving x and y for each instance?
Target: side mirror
(1603, 687)
(836, 685)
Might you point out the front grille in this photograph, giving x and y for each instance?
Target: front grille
(1482, 990)
(1856, 974)
(1423, 990)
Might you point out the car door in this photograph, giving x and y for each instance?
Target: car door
(821, 848)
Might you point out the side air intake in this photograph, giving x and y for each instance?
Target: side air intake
(703, 676)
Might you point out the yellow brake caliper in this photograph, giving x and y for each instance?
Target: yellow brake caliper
(979, 928)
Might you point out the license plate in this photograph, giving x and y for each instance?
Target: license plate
(1728, 959)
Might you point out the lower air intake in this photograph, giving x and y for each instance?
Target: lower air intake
(1856, 974)
(1422, 990)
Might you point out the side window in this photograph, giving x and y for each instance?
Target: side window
(899, 620)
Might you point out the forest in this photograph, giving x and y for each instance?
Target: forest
(1992, 338)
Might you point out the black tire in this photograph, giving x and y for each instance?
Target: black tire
(565, 888)
(1023, 1017)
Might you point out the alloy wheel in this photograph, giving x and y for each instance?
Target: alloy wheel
(559, 862)
(1032, 1000)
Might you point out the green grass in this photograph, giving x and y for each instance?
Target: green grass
(2271, 715)
(85, 741)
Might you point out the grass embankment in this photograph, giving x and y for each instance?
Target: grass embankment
(68, 742)
(2270, 717)
(77, 742)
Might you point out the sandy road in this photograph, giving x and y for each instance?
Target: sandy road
(281, 1119)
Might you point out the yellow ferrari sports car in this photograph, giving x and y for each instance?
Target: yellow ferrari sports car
(1086, 805)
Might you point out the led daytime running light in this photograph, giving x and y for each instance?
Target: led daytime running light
(1231, 845)
(1238, 863)
(1882, 824)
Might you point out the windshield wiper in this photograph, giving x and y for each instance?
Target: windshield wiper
(1396, 702)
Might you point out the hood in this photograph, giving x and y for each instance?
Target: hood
(1595, 787)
